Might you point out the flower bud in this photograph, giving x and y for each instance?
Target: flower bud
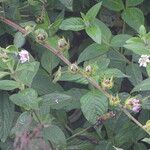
(114, 101)
(73, 68)
(29, 28)
(41, 35)
(88, 70)
(39, 19)
(63, 44)
(107, 83)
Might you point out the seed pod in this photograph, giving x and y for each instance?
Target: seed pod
(41, 35)
(73, 68)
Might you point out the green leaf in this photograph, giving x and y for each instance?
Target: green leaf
(19, 40)
(28, 99)
(43, 85)
(67, 3)
(137, 46)
(148, 69)
(112, 72)
(57, 100)
(119, 40)
(26, 72)
(94, 32)
(74, 24)
(105, 31)
(147, 140)
(49, 61)
(12, 48)
(134, 73)
(146, 103)
(93, 51)
(139, 146)
(67, 76)
(133, 17)
(133, 2)
(93, 105)
(143, 86)
(6, 116)
(3, 74)
(104, 145)
(9, 85)
(115, 5)
(53, 28)
(22, 124)
(55, 135)
(92, 13)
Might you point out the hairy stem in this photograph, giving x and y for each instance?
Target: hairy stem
(66, 61)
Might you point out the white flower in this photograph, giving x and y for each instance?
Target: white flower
(23, 56)
(144, 60)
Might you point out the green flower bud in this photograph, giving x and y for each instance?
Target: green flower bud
(88, 70)
(41, 35)
(114, 101)
(63, 44)
(73, 68)
(107, 83)
(39, 19)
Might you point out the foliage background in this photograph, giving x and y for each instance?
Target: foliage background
(61, 105)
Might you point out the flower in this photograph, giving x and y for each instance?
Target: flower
(23, 56)
(133, 104)
(136, 108)
(144, 60)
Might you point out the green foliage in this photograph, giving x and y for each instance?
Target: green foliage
(74, 24)
(74, 74)
(9, 85)
(6, 116)
(93, 104)
(115, 5)
(28, 99)
(130, 16)
(55, 135)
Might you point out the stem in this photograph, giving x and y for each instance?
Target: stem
(79, 133)
(134, 120)
(37, 117)
(66, 61)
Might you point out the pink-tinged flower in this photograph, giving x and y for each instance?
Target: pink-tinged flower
(144, 60)
(23, 56)
(133, 104)
(136, 108)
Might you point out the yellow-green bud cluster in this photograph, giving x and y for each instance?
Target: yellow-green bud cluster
(107, 83)
(114, 101)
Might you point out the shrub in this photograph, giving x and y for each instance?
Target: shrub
(74, 75)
